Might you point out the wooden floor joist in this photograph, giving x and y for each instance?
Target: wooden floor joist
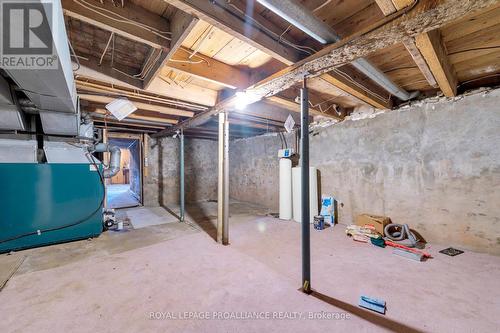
(138, 117)
(139, 105)
(295, 107)
(94, 13)
(418, 58)
(389, 7)
(425, 16)
(181, 24)
(432, 48)
(210, 69)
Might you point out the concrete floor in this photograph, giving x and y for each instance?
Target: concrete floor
(115, 282)
(120, 196)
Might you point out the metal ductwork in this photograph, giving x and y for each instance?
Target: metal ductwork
(10, 116)
(50, 88)
(302, 18)
(114, 160)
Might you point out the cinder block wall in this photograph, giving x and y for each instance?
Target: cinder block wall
(435, 166)
(161, 186)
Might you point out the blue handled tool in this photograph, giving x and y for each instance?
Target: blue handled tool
(373, 304)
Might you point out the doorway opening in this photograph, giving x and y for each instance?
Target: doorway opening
(124, 190)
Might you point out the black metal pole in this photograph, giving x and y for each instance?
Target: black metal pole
(182, 176)
(304, 159)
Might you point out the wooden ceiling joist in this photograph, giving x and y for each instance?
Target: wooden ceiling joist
(139, 117)
(434, 52)
(400, 4)
(295, 107)
(138, 24)
(418, 58)
(139, 105)
(291, 56)
(85, 84)
(386, 6)
(126, 129)
(107, 70)
(132, 21)
(363, 94)
(209, 69)
(425, 16)
(181, 24)
(98, 118)
(215, 13)
(389, 7)
(247, 123)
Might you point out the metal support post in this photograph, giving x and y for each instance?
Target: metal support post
(223, 184)
(304, 163)
(181, 167)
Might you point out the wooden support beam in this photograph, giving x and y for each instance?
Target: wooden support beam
(425, 16)
(295, 107)
(139, 105)
(127, 129)
(210, 69)
(386, 6)
(389, 7)
(90, 66)
(256, 119)
(365, 95)
(215, 13)
(85, 84)
(181, 24)
(248, 123)
(132, 21)
(434, 52)
(239, 28)
(420, 61)
(143, 26)
(98, 118)
(147, 118)
(400, 4)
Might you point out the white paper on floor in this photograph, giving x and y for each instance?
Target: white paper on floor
(147, 216)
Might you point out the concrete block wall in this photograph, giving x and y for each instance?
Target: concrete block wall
(161, 186)
(435, 166)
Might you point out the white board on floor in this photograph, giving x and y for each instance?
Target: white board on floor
(296, 193)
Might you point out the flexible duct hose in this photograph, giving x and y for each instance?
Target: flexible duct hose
(114, 161)
(400, 233)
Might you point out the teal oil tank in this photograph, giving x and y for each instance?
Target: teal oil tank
(49, 203)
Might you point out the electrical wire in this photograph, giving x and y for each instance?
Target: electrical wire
(191, 54)
(476, 49)
(350, 79)
(106, 48)
(279, 38)
(400, 68)
(201, 42)
(479, 78)
(99, 207)
(123, 19)
(74, 55)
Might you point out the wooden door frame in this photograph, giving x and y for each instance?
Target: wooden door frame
(134, 136)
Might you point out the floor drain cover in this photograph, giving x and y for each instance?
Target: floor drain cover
(451, 252)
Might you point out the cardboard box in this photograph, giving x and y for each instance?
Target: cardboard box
(377, 221)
